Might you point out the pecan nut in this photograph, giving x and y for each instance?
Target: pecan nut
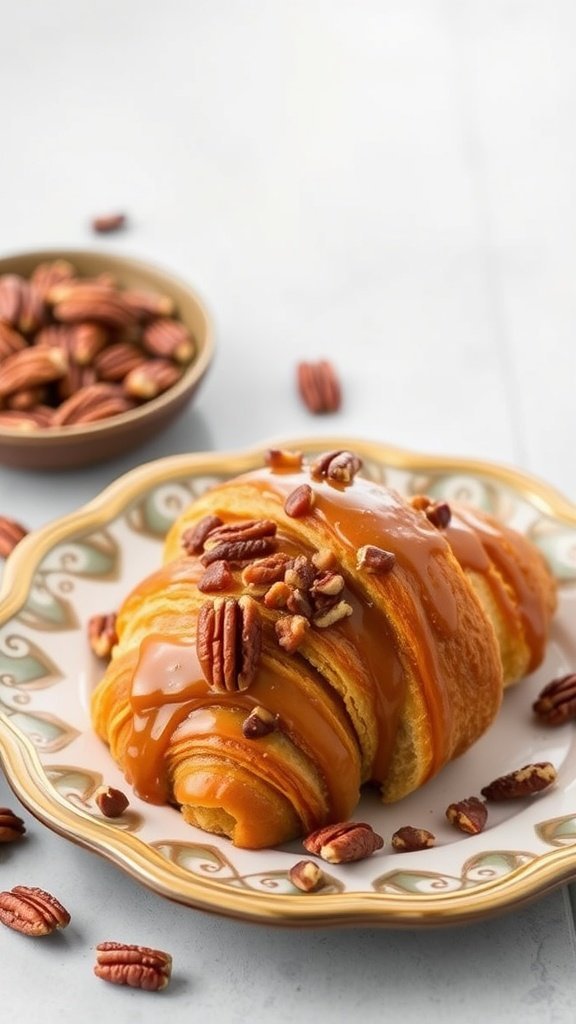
(136, 966)
(260, 722)
(306, 875)
(374, 559)
(283, 459)
(338, 466)
(112, 802)
(266, 571)
(409, 839)
(556, 703)
(11, 533)
(216, 578)
(32, 911)
(169, 339)
(194, 538)
(468, 815)
(319, 386)
(108, 222)
(344, 842)
(11, 826)
(439, 514)
(26, 419)
(10, 340)
(228, 642)
(291, 631)
(240, 550)
(116, 361)
(299, 502)
(102, 635)
(530, 779)
(148, 304)
(31, 366)
(151, 379)
(91, 403)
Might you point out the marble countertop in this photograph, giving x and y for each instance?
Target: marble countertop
(389, 185)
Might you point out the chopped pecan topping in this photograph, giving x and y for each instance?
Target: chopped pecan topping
(324, 559)
(299, 502)
(299, 603)
(344, 842)
(291, 631)
(306, 875)
(338, 466)
(277, 595)
(266, 571)
(327, 584)
(300, 573)
(468, 815)
(136, 966)
(11, 533)
(375, 560)
(216, 578)
(532, 778)
(112, 802)
(409, 839)
(228, 642)
(32, 911)
(11, 826)
(260, 722)
(327, 617)
(556, 703)
(279, 458)
(319, 386)
(102, 635)
(439, 514)
(194, 538)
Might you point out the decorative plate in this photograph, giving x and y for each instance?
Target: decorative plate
(86, 562)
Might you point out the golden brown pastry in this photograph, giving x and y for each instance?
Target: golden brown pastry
(311, 631)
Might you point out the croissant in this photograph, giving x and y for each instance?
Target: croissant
(311, 631)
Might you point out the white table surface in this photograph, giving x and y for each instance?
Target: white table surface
(390, 184)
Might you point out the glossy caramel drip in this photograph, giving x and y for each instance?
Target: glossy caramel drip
(476, 542)
(168, 688)
(365, 513)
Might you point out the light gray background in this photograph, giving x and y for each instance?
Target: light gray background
(389, 184)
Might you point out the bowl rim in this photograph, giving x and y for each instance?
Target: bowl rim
(191, 375)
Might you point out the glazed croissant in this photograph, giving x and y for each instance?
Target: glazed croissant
(311, 631)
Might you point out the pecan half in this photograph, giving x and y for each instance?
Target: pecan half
(319, 386)
(86, 341)
(32, 911)
(11, 533)
(239, 550)
(299, 502)
(136, 966)
(31, 366)
(409, 839)
(193, 539)
(374, 559)
(11, 290)
(95, 302)
(339, 466)
(47, 275)
(344, 842)
(91, 403)
(116, 361)
(250, 529)
(112, 802)
(556, 703)
(148, 304)
(468, 815)
(229, 642)
(10, 340)
(324, 559)
(260, 722)
(169, 339)
(306, 875)
(11, 826)
(108, 222)
(532, 778)
(151, 379)
(26, 419)
(27, 399)
(102, 635)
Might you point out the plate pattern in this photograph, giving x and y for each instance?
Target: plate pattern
(88, 562)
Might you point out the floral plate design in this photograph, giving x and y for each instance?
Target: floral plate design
(86, 562)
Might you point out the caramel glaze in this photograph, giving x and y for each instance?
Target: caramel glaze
(170, 696)
(476, 544)
(169, 692)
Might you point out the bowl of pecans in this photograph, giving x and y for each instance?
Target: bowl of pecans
(97, 354)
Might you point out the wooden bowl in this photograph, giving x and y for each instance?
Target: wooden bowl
(73, 446)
